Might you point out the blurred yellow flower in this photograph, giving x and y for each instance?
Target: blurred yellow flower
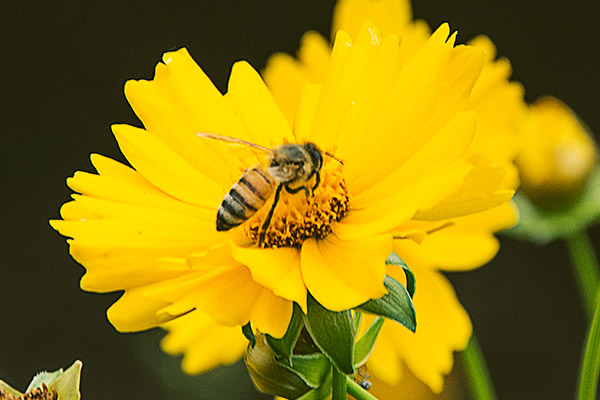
(466, 242)
(557, 153)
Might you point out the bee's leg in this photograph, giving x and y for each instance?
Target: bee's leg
(317, 181)
(265, 225)
(296, 190)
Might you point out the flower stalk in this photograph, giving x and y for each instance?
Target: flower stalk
(338, 385)
(590, 368)
(478, 375)
(585, 266)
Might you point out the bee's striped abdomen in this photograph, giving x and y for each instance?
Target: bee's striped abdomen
(246, 197)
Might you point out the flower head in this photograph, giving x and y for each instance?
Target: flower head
(394, 132)
(557, 154)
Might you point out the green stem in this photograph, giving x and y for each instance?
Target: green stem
(590, 369)
(477, 372)
(338, 385)
(586, 269)
(356, 391)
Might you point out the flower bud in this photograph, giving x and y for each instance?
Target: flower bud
(557, 154)
(270, 376)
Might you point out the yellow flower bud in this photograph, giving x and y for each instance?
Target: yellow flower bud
(557, 154)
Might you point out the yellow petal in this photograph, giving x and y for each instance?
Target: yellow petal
(180, 102)
(343, 274)
(167, 170)
(255, 107)
(481, 190)
(204, 343)
(285, 76)
(134, 312)
(276, 269)
(228, 294)
(271, 314)
(425, 96)
(390, 15)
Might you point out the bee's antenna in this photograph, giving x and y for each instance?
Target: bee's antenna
(334, 157)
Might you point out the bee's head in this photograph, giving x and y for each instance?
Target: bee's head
(291, 162)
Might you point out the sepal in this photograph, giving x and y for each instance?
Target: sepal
(333, 333)
(396, 305)
(543, 225)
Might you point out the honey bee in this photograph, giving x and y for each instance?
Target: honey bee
(289, 166)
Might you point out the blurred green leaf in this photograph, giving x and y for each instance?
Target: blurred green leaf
(364, 345)
(333, 332)
(396, 305)
(394, 259)
(543, 226)
(283, 348)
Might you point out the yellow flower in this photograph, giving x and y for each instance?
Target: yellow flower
(557, 153)
(397, 165)
(465, 242)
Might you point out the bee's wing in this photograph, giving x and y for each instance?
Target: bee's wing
(230, 139)
(246, 153)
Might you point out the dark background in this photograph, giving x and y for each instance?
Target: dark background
(63, 68)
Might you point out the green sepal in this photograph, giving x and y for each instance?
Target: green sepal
(333, 333)
(320, 393)
(312, 368)
(247, 331)
(283, 348)
(364, 346)
(357, 319)
(269, 375)
(542, 226)
(394, 259)
(396, 305)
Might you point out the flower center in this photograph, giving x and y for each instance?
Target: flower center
(297, 218)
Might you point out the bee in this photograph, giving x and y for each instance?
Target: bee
(289, 166)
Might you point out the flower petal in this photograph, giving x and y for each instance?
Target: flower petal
(343, 274)
(180, 102)
(276, 269)
(204, 343)
(390, 15)
(165, 169)
(253, 104)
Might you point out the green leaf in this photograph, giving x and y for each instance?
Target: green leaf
(394, 259)
(247, 331)
(396, 305)
(543, 226)
(364, 345)
(283, 348)
(312, 368)
(333, 333)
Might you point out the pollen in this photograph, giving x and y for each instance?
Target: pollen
(297, 217)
